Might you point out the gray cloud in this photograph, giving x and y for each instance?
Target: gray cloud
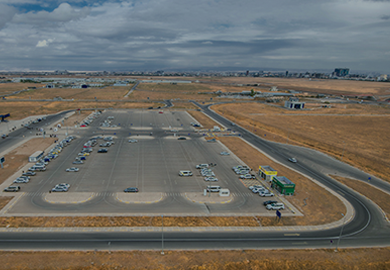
(124, 35)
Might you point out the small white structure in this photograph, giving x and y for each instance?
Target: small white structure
(224, 192)
(294, 103)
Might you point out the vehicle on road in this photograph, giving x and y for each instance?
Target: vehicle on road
(293, 160)
(185, 173)
(275, 206)
(131, 189)
(133, 141)
(224, 153)
(102, 150)
(12, 189)
(63, 185)
(72, 169)
(211, 179)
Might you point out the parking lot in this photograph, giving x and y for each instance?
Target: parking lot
(150, 163)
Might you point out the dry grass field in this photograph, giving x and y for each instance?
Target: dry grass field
(336, 87)
(101, 93)
(19, 157)
(382, 199)
(354, 132)
(22, 109)
(154, 91)
(9, 88)
(203, 119)
(319, 259)
(322, 207)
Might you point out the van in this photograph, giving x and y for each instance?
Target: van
(201, 166)
(213, 188)
(185, 173)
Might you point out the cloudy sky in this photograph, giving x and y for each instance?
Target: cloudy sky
(195, 35)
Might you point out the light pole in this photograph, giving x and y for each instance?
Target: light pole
(341, 231)
(343, 151)
(162, 234)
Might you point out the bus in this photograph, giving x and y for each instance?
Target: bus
(36, 156)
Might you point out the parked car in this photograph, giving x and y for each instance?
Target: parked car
(21, 181)
(201, 166)
(78, 162)
(133, 141)
(59, 189)
(211, 179)
(63, 185)
(269, 202)
(102, 150)
(12, 189)
(29, 173)
(72, 169)
(247, 176)
(131, 189)
(182, 138)
(275, 206)
(266, 194)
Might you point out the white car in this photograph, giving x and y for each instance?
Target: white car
(224, 153)
(133, 141)
(21, 180)
(275, 206)
(211, 179)
(257, 190)
(266, 194)
(72, 169)
(247, 176)
(293, 160)
(63, 185)
(201, 166)
(255, 186)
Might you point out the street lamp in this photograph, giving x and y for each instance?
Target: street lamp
(343, 151)
(162, 234)
(341, 231)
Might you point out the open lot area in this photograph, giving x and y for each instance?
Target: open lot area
(353, 133)
(108, 92)
(151, 164)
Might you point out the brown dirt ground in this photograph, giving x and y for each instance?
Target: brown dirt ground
(172, 91)
(343, 131)
(206, 121)
(8, 88)
(22, 109)
(322, 207)
(337, 87)
(382, 199)
(19, 157)
(102, 93)
(319, 259)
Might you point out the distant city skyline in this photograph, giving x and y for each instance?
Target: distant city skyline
(204, 35)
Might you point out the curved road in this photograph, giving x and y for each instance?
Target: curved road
(367, 228)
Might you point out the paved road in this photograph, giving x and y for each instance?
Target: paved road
(367, 228)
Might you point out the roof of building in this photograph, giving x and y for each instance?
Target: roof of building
(268, 168)
(284, 180)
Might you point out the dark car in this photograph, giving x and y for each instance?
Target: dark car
(131, 189)
(182, 138)
(102, 150)
(269, 202)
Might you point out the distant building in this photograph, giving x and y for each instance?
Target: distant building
(341, 72)
(294, 103)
